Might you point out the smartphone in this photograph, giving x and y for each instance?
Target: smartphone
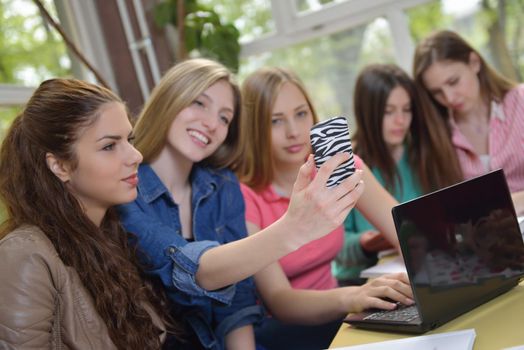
(328, 138)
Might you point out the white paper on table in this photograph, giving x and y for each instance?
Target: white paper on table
(393, 266)
(458, 340)
(387, 252)
(521, 223)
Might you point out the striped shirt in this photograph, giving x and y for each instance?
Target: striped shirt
(506, 141)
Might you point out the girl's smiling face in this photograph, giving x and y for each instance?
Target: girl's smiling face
(199, 129)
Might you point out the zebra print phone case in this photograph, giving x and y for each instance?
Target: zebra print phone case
(328, 138)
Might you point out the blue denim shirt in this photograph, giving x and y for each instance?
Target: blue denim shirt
(218, 217)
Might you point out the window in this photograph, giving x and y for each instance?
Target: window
(314, 5)
(329, 65)
(253, 18)
(325, 42)
(31, 52)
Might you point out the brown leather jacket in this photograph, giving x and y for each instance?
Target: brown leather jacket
(43, 303)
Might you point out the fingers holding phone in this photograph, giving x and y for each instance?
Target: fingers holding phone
(321, 202)
(319, 210)
(329, 138)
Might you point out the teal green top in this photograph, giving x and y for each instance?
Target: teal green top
(352, 259)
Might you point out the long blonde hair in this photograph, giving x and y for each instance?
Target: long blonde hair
(177, 89)
(259, 93)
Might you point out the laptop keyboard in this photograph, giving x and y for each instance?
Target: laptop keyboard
(402, 313)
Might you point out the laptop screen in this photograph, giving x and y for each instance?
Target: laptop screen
(462, 245)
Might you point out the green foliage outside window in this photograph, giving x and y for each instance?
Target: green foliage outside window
(205, 32)
(30, 52)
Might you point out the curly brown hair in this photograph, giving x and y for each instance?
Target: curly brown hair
(54, 117)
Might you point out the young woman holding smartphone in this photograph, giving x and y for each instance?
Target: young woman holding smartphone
(300, 291)
(189, 213)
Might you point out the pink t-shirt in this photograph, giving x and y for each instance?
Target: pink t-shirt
(506, 142)
(309, 267)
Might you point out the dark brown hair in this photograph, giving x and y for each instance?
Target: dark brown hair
(259, 93)
(430, 152)
(54, 117)
(446, 45)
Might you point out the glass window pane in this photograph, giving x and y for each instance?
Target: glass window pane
(7, 114)
(314, 5)
(31, 50)
(329, 65)
(253, 18)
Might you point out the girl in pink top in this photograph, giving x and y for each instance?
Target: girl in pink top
(310, 266)
(276, 118)
(484, 110)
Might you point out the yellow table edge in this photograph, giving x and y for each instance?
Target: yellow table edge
(498, 323)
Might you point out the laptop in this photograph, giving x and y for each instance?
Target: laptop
(462, 247)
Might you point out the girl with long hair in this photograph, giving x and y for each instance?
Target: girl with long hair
(189, 213)
(483, 110)
(68, 274)
(300, 291)
(407, 148)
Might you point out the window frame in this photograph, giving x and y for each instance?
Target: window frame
(293, 27)
(80, 22)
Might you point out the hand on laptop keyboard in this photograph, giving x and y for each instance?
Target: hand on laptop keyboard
(402, 314)
(382, 293)
(389, 300)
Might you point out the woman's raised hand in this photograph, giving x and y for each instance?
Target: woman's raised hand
(314, 209)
